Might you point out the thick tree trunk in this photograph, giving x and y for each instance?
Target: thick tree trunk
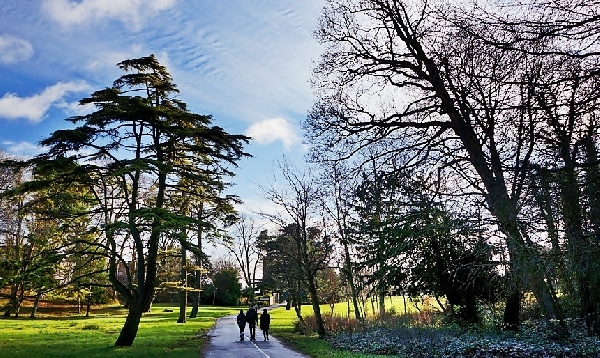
(88, 307)
(578, 245)
(527, 266)
(312, 289)
(297, 308)
(36, 304)
(469, 310)
(19, 301)
(14, 289)
(593, 192)
(132, 322)
(195, 298)
(525, 261)
(512, 310)
(381, 298)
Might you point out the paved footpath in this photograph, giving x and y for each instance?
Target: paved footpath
(224, 342)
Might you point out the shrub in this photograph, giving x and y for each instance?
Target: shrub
(307, 328)
(91, 327)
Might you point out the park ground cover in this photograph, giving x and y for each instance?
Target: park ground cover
(285, 327)
(65, 334)
(425, 334)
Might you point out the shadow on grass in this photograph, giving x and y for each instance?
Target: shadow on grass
(62, 313)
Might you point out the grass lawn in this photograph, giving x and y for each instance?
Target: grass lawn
(78, 336)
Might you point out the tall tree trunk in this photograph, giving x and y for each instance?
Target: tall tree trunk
(132, 322)
(183, 294)
(297, 308)
(593, 192)
(340, 217)
(578, 244)
(312, 289)
(543, 200)
(381, 298)
(20, 298)
(512, 310)
(198, 274)
(36, 304)
(372, 300)
(195, 297)
(579, 248)
(350, 278)
(525, 264)
(11, 300)
(88, 305)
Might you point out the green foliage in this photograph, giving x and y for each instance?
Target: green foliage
(228, 287)
(410, 241)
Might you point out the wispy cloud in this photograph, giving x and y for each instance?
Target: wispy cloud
(34, 108)
(274, 129)
(22, 149)
(74, 108)
(14, 49)
(240, 47)
(132, 12)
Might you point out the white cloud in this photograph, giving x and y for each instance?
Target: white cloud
(274, 129)
(107, 60)
(14, 49)
(34, 108)
(76, 109)
(133, 12)
(22, 149)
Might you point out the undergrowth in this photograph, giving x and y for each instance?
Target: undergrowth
(434, 334)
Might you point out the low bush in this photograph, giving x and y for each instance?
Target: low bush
(91, 327)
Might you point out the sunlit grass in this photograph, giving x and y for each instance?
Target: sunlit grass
(396, 304)
(283, 322)
(78, 336)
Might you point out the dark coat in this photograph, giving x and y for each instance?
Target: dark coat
(241, 320)
(251, 317)
(265, 321)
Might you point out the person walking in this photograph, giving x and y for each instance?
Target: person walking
(241, 322)
(252, 319)
(265, 322)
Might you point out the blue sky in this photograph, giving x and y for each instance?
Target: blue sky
(248, 63)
